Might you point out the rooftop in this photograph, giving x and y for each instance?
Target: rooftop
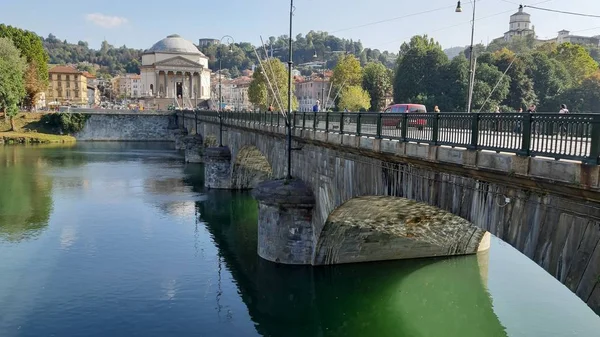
(174, 44)
(64, 70)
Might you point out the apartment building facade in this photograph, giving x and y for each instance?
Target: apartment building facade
(67, 86)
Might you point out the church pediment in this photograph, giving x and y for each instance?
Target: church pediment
(178, 61)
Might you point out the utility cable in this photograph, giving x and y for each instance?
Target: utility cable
(392, 19)
(562, 12)
(269, 83)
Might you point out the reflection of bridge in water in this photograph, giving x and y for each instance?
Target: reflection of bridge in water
(429, 297)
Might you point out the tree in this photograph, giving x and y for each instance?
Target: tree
(346, 73)
(31, 48)
(576, 60)
(12, 86)
(453, 83)
(277, 75)
(354, 98)
(417, 74)
(376, 82)
(584, 97)
(133, 67)
(486, 77)
(550, 80)
(521, 92)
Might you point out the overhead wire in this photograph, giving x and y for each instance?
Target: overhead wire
(562, 12)
(393, 19)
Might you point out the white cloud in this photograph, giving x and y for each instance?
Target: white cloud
(105, 21)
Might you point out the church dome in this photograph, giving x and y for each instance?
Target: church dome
(174, 44)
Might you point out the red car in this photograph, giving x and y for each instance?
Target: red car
(405, 108)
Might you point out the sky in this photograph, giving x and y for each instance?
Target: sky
(138, 24)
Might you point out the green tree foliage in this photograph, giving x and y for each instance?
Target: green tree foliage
(346, 73)
(67, 122)
(584, 97)
(277, 75)
(550, 80)
(486, 77)
(110, 59)
(354, 98)
(521, 92)
(547, 75)
(419, 65)
(376, 81)
(453, 79)
(577, 61)
(12, 84)
(326, 46)
(30, 47)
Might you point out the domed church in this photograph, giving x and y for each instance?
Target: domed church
(174, 72)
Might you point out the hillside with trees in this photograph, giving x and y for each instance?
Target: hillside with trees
(107, 60)
(546, 75)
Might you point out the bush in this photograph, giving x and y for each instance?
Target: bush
(66, 122)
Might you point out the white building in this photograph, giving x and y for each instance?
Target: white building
(564, 36)
(174, 71)
(519, 25)
(129, 85)
(234, 93)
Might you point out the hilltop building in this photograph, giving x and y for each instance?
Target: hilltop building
(207, 42)
(519, 25)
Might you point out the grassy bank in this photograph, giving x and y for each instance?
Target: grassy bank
(29, 130)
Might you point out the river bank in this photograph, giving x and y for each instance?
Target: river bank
(29, 130)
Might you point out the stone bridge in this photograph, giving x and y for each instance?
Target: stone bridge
(356, 198)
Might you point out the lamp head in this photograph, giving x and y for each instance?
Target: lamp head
(315, 54)
(458, 8)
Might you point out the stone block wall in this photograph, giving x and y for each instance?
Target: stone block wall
(128, 127)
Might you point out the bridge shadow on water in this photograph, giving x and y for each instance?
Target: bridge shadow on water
(425, 297)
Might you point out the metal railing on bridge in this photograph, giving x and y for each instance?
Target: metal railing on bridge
(559, 136)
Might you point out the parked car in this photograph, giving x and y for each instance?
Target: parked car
(405, 108)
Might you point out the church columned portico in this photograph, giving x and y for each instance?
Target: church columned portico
(171, 84)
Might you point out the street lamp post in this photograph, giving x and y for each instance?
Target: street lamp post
(289, 116)
(229, 38)
(471, 56)
(322, 80)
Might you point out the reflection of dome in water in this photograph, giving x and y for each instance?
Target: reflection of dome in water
(174, 44)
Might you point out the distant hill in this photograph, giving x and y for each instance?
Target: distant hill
(107, 60)
(454, 51)
(114, 60)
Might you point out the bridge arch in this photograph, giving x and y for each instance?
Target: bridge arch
(249, 168)
(376, 228)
